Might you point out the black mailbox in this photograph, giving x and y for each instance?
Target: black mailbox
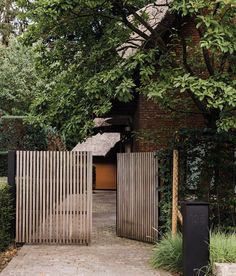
(195, 237)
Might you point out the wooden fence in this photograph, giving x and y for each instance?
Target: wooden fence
(137, 206)
(53, 197)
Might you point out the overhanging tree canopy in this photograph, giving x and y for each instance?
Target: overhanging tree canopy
(79, 59)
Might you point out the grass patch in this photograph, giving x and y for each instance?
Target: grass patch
(223, 248)
(3, 180)
(167, 253)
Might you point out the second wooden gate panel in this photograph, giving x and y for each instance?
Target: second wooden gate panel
(53, 197)
(137, 196)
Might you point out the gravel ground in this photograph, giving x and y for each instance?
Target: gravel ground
(107, 255)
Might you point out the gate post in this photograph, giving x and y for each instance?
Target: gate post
(11, 174)
(195, 238)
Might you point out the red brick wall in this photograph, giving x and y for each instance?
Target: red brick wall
(150, 117)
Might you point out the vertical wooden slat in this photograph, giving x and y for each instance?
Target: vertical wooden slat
(83, 196)
(40, 196)
(86, 197)
(54, 193)
(155, 215)
(30, 195)
(37, 197)
(63, 197)
(90, 167)
(46, 199)
(26, 197)
(20, 196)
(80, 197)
(44, 180)
(150, 221)
(77, 201)
(87, 202)
(50, 196)
(67, 185)
(23, 196)
(33, 195)
(17, 194)
(156, 198)
(136, 194)
(70, 199)
(73, 200)
(58, 197)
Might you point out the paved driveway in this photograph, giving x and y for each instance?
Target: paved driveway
(107, 255)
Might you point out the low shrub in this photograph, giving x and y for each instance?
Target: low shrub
(6, 215)
(167, 253)
(222, 248)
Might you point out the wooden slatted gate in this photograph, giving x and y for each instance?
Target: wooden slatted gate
(137, 206)
(53, 197)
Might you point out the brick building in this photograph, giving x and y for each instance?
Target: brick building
(152, 126)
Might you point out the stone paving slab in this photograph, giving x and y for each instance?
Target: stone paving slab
(108, 254)
(107, 260)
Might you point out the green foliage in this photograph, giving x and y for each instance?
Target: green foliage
(165, 189)
(18, 78)
(167, 253)
(79, 60)
(222, 248)
(207, 172)
(17, 135)
(3, 163)
(7, 16)
(78, 47)
(6, 215)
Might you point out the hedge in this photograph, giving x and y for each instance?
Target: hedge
(6, 215)
(3, 164)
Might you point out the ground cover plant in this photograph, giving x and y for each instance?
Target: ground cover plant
(7, 249)
(167, 253)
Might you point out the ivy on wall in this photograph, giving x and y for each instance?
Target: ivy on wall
(207, 172)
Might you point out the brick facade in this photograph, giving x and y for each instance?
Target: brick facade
(149, 117)
(161, 125)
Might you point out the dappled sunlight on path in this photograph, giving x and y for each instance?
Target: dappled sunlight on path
(107, 255)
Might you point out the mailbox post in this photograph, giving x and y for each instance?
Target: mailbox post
(195, 237)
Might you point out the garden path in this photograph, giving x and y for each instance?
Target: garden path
(108, 254)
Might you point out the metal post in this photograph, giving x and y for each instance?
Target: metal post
(195, 238)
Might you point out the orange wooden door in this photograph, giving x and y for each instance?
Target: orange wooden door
(106, 176)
